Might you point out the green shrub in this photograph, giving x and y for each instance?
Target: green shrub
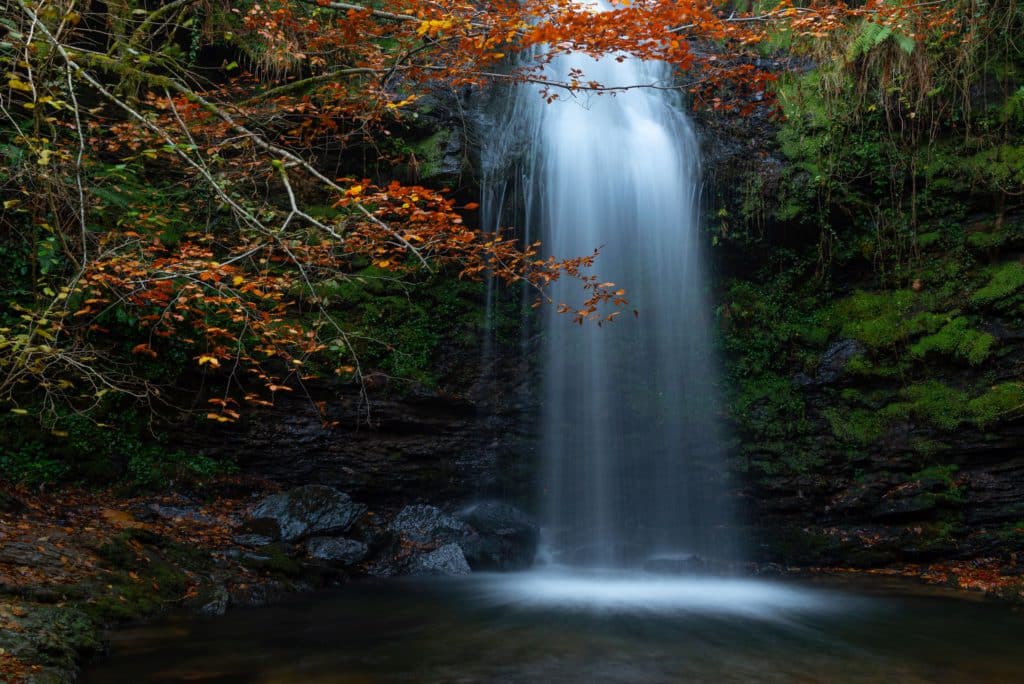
(153, 467)
(30, 464)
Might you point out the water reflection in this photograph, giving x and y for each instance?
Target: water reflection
(542, 627)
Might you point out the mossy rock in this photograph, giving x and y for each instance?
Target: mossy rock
(54, 637)
(148, 574)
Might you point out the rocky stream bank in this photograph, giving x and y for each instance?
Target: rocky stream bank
(76, 563)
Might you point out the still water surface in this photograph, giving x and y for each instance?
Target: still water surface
(545, 627)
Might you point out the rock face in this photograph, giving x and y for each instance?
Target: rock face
(444, 560)
(506, 538)
(832, 365)
(335, 550)
(450, 445)
(304, 511)
(855, 439)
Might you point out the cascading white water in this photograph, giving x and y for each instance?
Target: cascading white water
(634, 485)
(629, 436)
(633, 462)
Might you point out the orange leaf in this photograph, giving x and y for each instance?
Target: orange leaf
(144, 349)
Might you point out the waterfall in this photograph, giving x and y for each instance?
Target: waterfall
(629, 438)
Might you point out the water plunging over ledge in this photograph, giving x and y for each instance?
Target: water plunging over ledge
(629, 437)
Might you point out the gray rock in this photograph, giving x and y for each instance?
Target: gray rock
(444, 560)
(344, 551)
(303, 512)
(252, 540)
(246, 556)
(832, 365)
(423, 524)
(506, 538)
(802, 380)
(190, 514)
(216, 601)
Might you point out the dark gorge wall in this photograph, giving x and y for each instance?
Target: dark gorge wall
(871, 312)
(464, 439)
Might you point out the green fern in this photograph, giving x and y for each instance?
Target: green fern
(1013, 109)
(905, 42)
(869, 37)
(872, 35)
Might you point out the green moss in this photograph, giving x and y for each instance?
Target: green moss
(769, 407)
(28, 461)
(1004, 281)
(940, 536)
(428, 154)
(146, 575)
(941, 474)
(858, 426)
(392, 330)
(278, 562)
(1001, 401)
(932, 402)
(115, 444)
(51, 637)
(981, 240)
(769, 325)
(997, 166)
(957, 339)
(879, 368)
(926, 240)
(927, 448)
(158, 468)
(786, 459)
(882, 320)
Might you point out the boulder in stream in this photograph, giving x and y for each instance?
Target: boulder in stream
(506, 537)
(422, 524)
(336, 550)
(304, 511)
(444, 560)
